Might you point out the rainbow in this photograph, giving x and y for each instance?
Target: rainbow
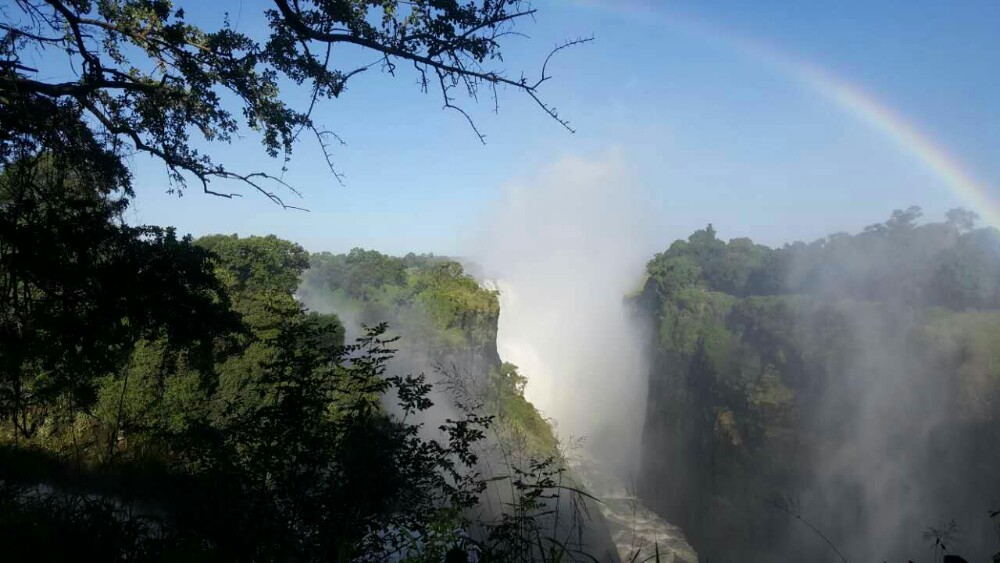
(907, 137)
(856, 102)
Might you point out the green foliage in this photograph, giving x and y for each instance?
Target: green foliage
(149, 80)
(505, 396)
(80, 289)
(754, 345)
(328, 331)
(257, 434)
(673, 271)
(258, 264)
(693, 315)
(968, 342)
(703, 258)
(317, 470)
(428, 299)
(184, 380)
(456, 303)
(215, 403)
(439, 311)
(948, 264)
(445, 315)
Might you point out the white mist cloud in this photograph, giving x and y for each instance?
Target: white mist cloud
(566, 246)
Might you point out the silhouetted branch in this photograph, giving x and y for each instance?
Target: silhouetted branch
(790, 505)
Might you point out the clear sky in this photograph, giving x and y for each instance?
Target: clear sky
(711, 130)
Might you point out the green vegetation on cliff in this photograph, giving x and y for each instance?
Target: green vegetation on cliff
(428, 298)
(170, 398)
(164, 398)
(257, 436)
(447, 323)
(801, 370)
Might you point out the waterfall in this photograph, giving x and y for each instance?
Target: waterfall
(591, 386)
(565, 246)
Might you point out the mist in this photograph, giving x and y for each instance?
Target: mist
(897, 444)
(896, 452)
(564, 247)
(411, 355)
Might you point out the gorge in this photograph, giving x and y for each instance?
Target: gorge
(827, 401)
(741, 391)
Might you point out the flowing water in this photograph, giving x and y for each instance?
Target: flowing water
(639, 534)
(556, 380)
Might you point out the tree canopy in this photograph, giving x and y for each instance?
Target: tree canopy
(164, 398)
(949, 264)
(264, 437)
(79, 288)
(145, 79)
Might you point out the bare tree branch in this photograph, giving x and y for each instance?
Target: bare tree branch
(198, 74)
(790, 505)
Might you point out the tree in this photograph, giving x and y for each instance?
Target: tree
(215, 82)
(900, 221)
(258, 263)
(961, 219)
(370, 270)
(78, 289)
(673, 271)
(733, 267)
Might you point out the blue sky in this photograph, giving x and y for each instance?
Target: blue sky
(710, 132)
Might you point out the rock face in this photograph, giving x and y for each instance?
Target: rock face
(871, 421)
(836, 400)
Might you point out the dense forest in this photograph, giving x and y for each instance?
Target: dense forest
(829, 398)
(172, 398)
